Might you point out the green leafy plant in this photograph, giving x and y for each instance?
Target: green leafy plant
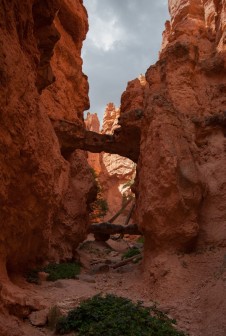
(140, 240)
(116, 316)
(32, 276)
(128, 184)
(62, 271)
(132, 251)
(102, 204)
(93, 172)
(53, 316)
(99, 207)
(55, 271)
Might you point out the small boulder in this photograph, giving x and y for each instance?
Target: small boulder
(39, 318)
(60, 284)
(113, 254)
(100, 268)
(42, 276)
(125, 269)
(87, 278)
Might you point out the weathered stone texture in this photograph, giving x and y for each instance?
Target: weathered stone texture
(174, 184)
(39, 216)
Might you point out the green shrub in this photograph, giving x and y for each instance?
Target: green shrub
(99, 207)
(103, 206)
(55, 271)
(53, 317)
(140, 240)
(115, 316)
(93, 172)
(62, 271)
(32, 276)
(132, 251)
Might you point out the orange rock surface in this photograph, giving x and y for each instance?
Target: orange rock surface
(177, 113)
(174, 183)
(93, 124)
(181, 180)
(42, 195)
(114, 171)
(117, 172)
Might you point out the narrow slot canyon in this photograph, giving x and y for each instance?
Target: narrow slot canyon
(133, 209)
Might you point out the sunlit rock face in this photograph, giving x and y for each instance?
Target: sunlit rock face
(43, 197)
(110, 121)
(116, 173)
(93, 124)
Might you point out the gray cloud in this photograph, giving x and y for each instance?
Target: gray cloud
(123, 41)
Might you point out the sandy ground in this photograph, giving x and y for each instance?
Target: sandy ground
(190, 288)
(66, 294)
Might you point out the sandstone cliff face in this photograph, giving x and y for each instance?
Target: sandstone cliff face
(115, 173)
(67, 98)
(180, 185)
(187, 83)
(36, 181)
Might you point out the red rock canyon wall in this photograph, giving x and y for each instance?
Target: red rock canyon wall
(178, 153)
(43, 197)
(176, 113)
(180, 185)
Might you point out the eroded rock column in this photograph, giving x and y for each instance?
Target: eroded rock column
(188, 82)
(43, 196)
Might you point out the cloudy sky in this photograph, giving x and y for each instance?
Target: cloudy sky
(123, 41)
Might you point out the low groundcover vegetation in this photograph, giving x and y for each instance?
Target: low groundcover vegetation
(131, 252)
(55, 272)
(116, 316)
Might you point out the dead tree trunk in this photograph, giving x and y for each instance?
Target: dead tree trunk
(126, 261)
(102, 231)
(130, 214)
(120, 211)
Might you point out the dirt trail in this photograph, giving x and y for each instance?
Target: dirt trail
(97, 276)
(192, 290)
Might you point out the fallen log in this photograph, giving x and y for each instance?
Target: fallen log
(127, 261)
(107, 228)
(130, 214)
(120, 211)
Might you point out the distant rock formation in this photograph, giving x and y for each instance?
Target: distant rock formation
(93, 124)
(115, 173)
(118, 173)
